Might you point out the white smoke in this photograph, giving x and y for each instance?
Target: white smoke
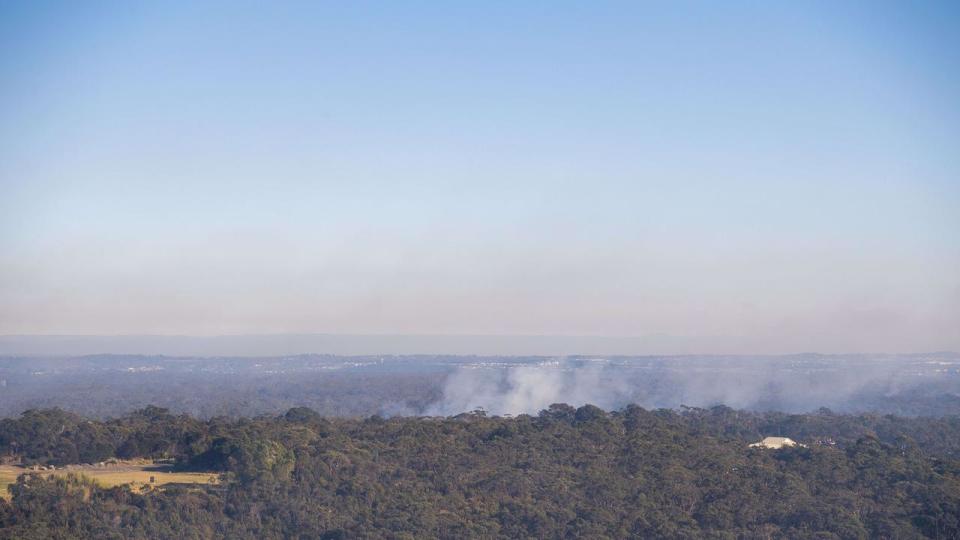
(741, 384)
(528, 389)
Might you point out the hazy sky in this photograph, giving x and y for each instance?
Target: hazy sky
(785, 177)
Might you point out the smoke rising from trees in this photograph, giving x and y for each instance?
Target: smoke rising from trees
(750, 383)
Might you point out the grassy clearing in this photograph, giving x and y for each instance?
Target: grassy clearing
(8, 475)
(135, 476)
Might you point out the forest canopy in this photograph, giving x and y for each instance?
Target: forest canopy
(563, 473)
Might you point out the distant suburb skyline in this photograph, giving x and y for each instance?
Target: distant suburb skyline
(750, 177)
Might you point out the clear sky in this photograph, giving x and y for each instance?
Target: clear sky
(784, 176)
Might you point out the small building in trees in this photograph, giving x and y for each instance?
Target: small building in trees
(775, 443)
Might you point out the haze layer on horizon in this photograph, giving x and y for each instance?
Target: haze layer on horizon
(781, 177)
(408, 345)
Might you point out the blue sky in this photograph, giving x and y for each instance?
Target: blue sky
(782, 175)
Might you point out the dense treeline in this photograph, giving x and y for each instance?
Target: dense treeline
(58, 437)
(565, 473)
